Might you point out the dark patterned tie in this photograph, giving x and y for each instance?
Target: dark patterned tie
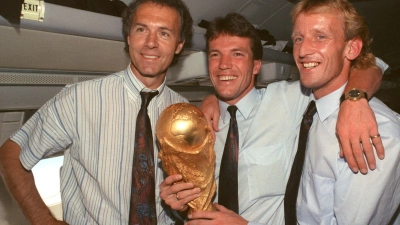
(292, 187)
(228, 173)
(143, 200)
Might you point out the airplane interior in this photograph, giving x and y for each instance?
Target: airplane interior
(52, 44)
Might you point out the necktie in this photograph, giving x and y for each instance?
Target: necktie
(292, 186)
(143, 203)
(228, 175)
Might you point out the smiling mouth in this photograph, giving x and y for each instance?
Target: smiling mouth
(310, 65)
(226, 78)
(150, 56)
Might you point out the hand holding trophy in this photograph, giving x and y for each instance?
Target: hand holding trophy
(186, 148)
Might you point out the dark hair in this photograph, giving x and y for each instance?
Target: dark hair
(354, 25)
(234, 24)
(186, 25)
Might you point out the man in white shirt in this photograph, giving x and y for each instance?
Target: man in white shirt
(329, 38)
(268, 123)
(94, 124)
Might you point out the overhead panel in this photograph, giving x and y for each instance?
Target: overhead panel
(279, 23)
(32, 49)
(254, 11)
(209, 9)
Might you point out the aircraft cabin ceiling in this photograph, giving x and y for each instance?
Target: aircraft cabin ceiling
(62, 52)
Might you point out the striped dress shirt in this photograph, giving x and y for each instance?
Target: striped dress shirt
(94, 122)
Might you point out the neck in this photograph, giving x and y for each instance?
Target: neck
(333, 84)
(149, 81)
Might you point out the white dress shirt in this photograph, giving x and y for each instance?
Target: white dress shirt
(95, 122)
(268, 123)
(330, 193)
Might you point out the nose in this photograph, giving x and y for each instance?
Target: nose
(225, 62)
(152, 40)
(304, 48)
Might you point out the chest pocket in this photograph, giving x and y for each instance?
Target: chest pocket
(267, 170)
(319, 190)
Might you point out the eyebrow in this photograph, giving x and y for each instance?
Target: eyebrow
(213, 50)
(144, 25)
(294, 33)
(238, 49)
(231, 50)
(314, 30)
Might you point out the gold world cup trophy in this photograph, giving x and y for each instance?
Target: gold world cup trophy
(187, 148)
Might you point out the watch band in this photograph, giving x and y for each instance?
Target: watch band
(347, 95)
(342, 98)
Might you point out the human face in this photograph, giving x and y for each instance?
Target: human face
(320, 51)
(153, 40)
(231, 67)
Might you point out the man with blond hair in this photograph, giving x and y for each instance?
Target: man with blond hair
(330, 38)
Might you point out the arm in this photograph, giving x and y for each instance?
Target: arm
(356, 122)
(20, 182)
(368, 80)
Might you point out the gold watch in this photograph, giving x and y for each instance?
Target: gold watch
(353, 95)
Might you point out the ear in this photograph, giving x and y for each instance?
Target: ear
(354, 48)
(179, 47)
(257, 66)
(129, 42)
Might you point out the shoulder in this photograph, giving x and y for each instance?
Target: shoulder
(85, 88)
(112, 81)
(173, 96)
(288, 88)
(288, 93)
(109, 79)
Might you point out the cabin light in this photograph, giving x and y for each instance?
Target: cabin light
(33, 10)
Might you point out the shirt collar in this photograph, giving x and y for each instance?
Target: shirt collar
(244, 105)
(329, 103)
(135, 85)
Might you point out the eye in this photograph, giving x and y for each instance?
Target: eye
(237, 54)
(320, 37)
(164, 34)
(140, 29)
(297, 39)
(212, 55)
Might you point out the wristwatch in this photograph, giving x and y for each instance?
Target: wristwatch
(354, 95)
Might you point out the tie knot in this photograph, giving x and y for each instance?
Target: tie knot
(311, 109)
(147, 96)
(232, 110)
(309, 114)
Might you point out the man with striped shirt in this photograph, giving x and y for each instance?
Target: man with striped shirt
(94, 124)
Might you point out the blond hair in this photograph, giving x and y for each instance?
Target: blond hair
(354, 25)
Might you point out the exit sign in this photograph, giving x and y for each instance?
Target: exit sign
(32, 10)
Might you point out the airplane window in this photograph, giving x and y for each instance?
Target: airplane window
(47, 180)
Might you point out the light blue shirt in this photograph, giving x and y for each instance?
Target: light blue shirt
(95, 122)
(381, 64)
(330, 193)
(268, 121)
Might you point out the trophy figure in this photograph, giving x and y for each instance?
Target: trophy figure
(186, 148)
